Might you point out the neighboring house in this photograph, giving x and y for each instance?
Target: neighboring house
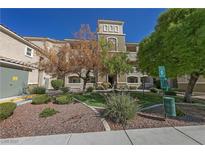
(111, 31)
(18, 59)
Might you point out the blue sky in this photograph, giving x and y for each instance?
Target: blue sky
(63, 23)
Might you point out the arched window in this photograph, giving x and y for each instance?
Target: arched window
(132, 79)
(113, 42)
(74, 79)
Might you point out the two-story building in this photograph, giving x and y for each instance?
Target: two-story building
(18, 60)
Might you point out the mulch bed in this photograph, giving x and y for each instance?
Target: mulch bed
(73, 118)
(194, 116)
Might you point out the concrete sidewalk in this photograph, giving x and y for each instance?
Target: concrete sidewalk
(189, 135)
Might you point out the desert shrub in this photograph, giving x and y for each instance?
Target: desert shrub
(154, 90)
(38, 90)
(120, 108)
(57, 84)
(65, 89)
(64, 99)
(170, 93)
(40, 99)
(6, 110)
(90, 89)
(47, 112)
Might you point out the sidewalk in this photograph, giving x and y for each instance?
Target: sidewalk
(189, 135)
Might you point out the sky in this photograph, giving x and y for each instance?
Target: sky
(63, 23)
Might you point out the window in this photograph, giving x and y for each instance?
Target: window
(113, 42)
(116, 29)
(29, 52)
(132, 79)
(74, 79)
(105, 28)
(111, 28)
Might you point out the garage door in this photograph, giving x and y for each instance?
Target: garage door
(12, 81)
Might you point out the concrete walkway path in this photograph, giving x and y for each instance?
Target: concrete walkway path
(188, 135)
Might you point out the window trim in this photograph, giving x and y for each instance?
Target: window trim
(74, 82)
(111, 37)
(30, 56)
(133, 77)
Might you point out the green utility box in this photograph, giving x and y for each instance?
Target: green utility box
(169, 106)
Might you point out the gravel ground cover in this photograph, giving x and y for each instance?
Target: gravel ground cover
(194, 116)
(72, 118)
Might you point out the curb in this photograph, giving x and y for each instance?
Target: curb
(105, 123)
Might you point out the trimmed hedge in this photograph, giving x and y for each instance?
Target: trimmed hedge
(40, 99)
(57, 84)
(64, 99)
(6, 110)
(38, 90)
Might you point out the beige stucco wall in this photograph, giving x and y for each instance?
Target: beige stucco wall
(199, 87)
(15, 49)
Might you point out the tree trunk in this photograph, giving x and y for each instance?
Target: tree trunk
(84, 84)
(115, 82)
(192, 81)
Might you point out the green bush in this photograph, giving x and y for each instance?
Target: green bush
(120, 108)
(65, 89)
(57, 84)
(47, 112)
(170, 93)
(6, 110)
(154, 90)
(64, 99)
(90, 89)
(40, 99)
(38, 90)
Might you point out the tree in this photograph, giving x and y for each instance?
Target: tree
(84, 58)
(113, 63)
(55, 61)
(178, 43)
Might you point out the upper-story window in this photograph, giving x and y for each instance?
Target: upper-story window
(29, 52)
(105, 28)
(113, 42)
(116, 29)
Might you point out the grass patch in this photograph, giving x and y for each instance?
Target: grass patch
(92, 99)
(6, 110)
(47, 112)
(64, 99)
(40, 99)
(148, 99)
